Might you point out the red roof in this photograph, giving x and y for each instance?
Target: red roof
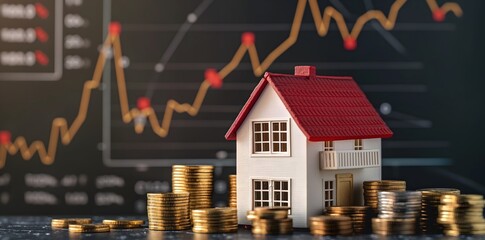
(326, 108)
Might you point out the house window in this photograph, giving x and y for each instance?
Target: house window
(271, 193)
(328, 146)
(281, 194)
(261, 193)
(270, 137)
(328, 193)
(358, 144)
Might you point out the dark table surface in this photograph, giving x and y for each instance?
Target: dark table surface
(38, 228)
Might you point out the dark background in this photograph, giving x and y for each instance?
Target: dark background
(428, 72)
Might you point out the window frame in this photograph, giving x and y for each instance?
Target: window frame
(271, 131)
(272, 184)
(328, 202)
(358, 144)
(328, 146)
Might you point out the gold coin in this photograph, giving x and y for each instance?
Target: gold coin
(64, 222)
(124, 226)
(83, 228)
(169, 228)
(123, 222)
(168, 195)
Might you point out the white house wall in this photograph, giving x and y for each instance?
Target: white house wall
(270, 107)
(316, 176)
(348, 145)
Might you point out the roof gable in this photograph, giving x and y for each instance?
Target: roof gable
(325, 108)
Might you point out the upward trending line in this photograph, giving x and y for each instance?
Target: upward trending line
(61, 129)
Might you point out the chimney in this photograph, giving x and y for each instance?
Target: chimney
(306, 71)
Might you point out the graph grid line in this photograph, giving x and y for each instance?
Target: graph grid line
(61, 130)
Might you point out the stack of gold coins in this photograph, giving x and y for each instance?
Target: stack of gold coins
(168, 211)
(401, 204)
(214, 220)
(232, 191)
(395, 207)
(358, 214)
(64, 222)
(196, 180)
(88, 228)
(372, 187)
(394, 226)
(462, 214)
(430, 201)
(123, 223)
(270, 220)
(330, 225)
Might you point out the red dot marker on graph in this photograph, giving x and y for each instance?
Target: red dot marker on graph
(247, 39)
(350, 43)
(438, 15)
(41, 35)
(41, 58)
(213, 77)
(41, 11)
(143, 103)
(5, 137)
(114, 28)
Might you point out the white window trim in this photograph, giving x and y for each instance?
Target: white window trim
(332, 190)
(271, 200)
(270, 154)
(332, 148)
(359, 147)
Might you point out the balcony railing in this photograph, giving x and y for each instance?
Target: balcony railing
(349, 159)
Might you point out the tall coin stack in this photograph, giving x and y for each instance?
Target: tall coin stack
(462, 214)
(196, 180)
(232, 191)
(397, 206)
(267, 220)
(168, 211)
(331, 225)
(372, 187)
(214, 220)
(358, 215)
(430, 201)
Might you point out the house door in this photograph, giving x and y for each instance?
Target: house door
(345, 189)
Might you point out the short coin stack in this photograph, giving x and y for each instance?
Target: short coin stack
(214, 220)
(397, 208)
(123, 223)
(88, 228)
(168, 211)
(267, 220)
(430, 201)
(358, 215)
(462, 214)
(64, 222)
(196, 180)
(232, 191)
(372, 187)
(331, 225)
(394, 226)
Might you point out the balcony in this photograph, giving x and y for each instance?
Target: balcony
(333, 160)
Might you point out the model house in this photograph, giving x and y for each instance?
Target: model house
(307, 142)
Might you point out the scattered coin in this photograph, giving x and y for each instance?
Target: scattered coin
(64, 222)
(88, 228)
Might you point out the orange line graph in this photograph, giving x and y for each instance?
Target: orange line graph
(60, 129)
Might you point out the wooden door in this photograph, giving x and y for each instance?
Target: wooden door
(345, 189)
